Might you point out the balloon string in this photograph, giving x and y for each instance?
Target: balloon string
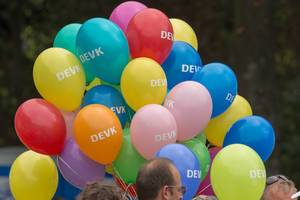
(204, 188)
(65, 163)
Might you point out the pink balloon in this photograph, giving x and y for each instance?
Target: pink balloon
(205, 186)
(191, 105)
(69, 120)
(152, 127)
(122, 14)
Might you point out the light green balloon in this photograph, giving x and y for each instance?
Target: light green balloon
(129, 161)
(238, 172)
(201, 137)
(202, 153)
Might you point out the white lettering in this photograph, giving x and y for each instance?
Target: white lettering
(104, 134)
(193, 174)
(70, 71)
(257, 173)
(229, 97)
(165, 136)
(170, 103)
(90, 55)
(158, 82)
(190, 68)
(166, 35)
(118, 110)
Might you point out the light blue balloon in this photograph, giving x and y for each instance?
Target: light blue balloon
(66, 38)
(103, 49)
(255, 132)
(182, 63)
(109, 97)
(221, 83)
(187, 164)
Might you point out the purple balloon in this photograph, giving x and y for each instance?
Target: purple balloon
(123, 13)
(77, 168)
(205, 186)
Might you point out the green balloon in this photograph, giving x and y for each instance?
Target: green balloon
(129, 161)
(66, 37)
(201, 137)
(238, 172)
(202, 153)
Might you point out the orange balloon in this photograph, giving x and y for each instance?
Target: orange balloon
(98, 132)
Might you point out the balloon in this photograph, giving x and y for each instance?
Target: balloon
(117, 87)
(124, 12)
(150, 34)
(255, 132)
(184, 32)
(98, 132)
(66, 37)
(219, 126)
(59, 78)
(143, 82)
(128, 172)
(92, 84)
(103, 49)
(69, 120)
(186, 163)
(109, 97)
(33, 176)
(76, 168)
(181, 64)
(202, 137)
(237, 172)
(40, 126)
(152, 127)
(221, 83)
(191, 105)
(201, 152)
(205, 186)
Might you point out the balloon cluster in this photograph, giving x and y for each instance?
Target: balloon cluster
(153, 90)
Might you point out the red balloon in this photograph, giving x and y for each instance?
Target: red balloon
(40, 126)
(150, 34)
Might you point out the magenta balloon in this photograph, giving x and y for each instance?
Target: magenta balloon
(76, 168)
(191, 105)
(152, 127)
(205, 186)
(123, 13)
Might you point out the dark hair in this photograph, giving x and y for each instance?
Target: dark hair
(152, 177)
(100, 191)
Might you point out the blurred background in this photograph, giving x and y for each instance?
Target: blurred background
(259, 39)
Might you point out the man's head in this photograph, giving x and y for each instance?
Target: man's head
(100, 190)
(279, 188)
(159, 179)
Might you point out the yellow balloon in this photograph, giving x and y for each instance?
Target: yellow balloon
(184, 32)
(109, 169)
(143, 82)
(94, 83)
(218, 126)
(59, 77)
(33, 176)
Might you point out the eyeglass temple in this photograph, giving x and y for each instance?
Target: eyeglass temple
(294, 196)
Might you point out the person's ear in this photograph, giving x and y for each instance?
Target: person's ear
(165, 192)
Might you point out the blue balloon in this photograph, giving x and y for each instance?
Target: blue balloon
(186, 163)
(109, 97)
(255, 132)
(181, 64)
(221, 83)
(103, 49)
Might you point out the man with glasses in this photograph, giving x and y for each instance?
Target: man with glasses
(279, 187)
(159, 179)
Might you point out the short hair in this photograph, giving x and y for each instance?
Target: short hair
(100, 190)
(152, 176)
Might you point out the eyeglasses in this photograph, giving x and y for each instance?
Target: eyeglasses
(180, 189)
(273, 179)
